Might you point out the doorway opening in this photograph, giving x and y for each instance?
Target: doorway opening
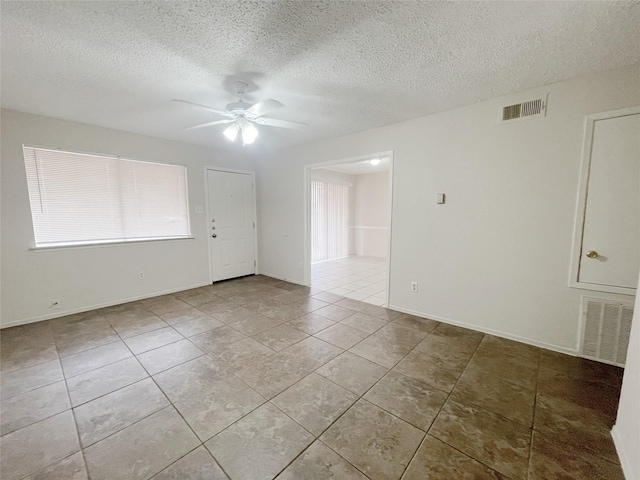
(348, 227)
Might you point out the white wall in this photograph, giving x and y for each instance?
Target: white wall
(372, 214)
(85, 278)
(626, 432)
(496, 256)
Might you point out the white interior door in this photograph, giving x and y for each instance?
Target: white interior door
(611, 237)
(231, 224)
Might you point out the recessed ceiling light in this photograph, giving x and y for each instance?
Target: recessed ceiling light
(374, 161)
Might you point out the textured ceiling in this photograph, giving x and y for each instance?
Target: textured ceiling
(341, 67)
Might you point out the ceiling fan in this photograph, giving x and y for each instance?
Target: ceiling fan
(242, 116)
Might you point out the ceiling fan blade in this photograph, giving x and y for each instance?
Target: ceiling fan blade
(264, 107)
(274, 122)
(210, 124)
(214, 110)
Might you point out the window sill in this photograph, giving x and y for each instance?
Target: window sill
(72, 246)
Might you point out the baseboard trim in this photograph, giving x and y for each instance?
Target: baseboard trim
(284, 279)
(497, 333)
(64, 313)
(624, 459)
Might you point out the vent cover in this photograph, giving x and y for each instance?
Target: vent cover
(524, 110)
(607, 325)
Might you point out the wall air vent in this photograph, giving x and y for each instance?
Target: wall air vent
(606, 329)
(524, 110)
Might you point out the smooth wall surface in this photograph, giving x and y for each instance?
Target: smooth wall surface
(626, 432)
(85, 278)
(496, 256)
(372, 214)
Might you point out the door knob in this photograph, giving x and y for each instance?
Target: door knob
(592, 254)
(214, 236)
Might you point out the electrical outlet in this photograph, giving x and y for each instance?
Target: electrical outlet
(414, 287)
(55, 304)
(141, 275)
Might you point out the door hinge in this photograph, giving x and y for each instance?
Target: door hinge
(254, 224)
(254, 263)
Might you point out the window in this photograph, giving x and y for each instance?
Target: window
(329, 220)
(79, 198)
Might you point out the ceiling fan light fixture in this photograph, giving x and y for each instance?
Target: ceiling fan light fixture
(231, 132)
(374, 161)
(249, 133)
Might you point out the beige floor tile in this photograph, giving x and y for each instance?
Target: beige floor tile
(280, 337)
(32, 448)
(197, 465)
(70, 468)
(111, 413)
(352, 372)
(260, 445)
(190, 379)
(95, 358)
(376, 442)
(212, 340)
(163, 358)
(142, 449)
(197, 325)
(436, 460)
(128, 327)
(255, 324)
(319, 462)
(362, 321)
(419, 323)
(314, 402)
(388, 345)
(334, 312)
(12, 359)
(499, 443)
(549, 461)
(496, 395)
(341, 336)
(30, 378)
(431, 369)
(274, 374)
(583, 428)
(87, 386)
(242, 354)
(184, 315)
(31, 407)
(411, 400)
(312, 352)
(310, 323)
(212, 410)
(150, 340)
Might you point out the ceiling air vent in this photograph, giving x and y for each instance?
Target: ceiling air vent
(524, 110)
(607, 325)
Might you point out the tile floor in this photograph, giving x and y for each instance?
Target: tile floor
(256, 378)
(359, 278)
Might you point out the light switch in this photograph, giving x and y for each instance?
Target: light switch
(199, 209)
(440, 198)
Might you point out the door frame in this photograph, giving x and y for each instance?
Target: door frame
(307, 211)
(207, 168)
(581, 203)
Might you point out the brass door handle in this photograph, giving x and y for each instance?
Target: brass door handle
(592, 254)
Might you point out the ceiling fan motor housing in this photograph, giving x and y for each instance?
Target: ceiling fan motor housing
(237, 107)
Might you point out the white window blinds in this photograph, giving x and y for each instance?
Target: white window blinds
(329, 220)
(79, 198)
